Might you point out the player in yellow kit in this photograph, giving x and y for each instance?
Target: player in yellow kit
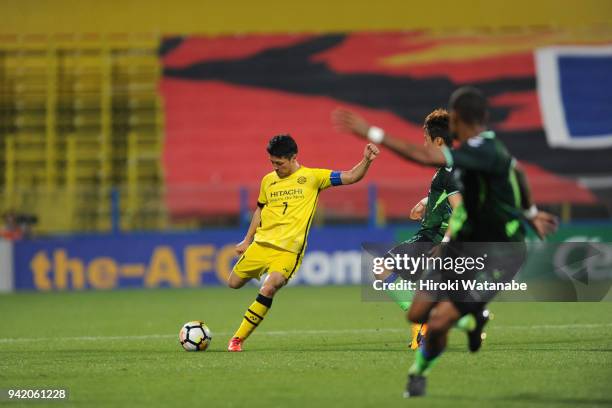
(276, 239)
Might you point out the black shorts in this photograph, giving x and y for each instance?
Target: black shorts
(415, 247)
(501, 262)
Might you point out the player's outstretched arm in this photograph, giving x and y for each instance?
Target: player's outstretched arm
(349, 121)
(248, 238)
(542, 222)
(418, 210)
(356, 173)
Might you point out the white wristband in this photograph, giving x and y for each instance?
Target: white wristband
(446, 238)
(376, 134)
(531, 212)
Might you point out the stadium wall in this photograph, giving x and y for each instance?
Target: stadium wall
(199, 259)
(273, 16)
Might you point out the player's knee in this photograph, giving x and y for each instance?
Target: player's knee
(234, 282)
(233, 285)
(268, 290)
(415, 315)
(272, 284)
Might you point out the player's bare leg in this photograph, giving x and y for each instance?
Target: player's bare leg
(236, 282)
(272, 284)
(258, 309)
(442, 318)
(420, 308)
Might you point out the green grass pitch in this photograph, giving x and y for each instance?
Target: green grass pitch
(317, 347)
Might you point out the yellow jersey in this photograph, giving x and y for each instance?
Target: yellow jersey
(288, 205)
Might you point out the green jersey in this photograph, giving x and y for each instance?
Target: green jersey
(486, 175)
(438, 209)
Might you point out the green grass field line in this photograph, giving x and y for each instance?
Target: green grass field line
(303, 332)
(320, 346)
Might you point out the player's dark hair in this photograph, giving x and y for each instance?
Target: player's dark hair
(436, 125)
(470, 105)
(282, 146)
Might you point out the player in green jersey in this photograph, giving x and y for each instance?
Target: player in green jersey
(496, 205)
(433, 211)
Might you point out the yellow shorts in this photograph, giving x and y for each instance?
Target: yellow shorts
(261, 258)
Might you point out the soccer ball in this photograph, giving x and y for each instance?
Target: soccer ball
(195, 336)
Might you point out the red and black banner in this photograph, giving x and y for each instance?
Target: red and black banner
(226, 96)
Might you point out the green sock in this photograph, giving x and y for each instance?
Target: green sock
(403, 298)
(421, 366)
(466, 323)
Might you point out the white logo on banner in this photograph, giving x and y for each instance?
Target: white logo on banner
(551, 100)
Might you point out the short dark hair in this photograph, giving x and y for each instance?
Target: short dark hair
(436, 125)
(282, 146)
(470, 105)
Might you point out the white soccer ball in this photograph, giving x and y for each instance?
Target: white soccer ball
(195, 336)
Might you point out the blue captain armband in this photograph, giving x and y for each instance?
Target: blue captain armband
(335, 178)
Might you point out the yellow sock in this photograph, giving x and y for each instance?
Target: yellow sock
(424, 329)
(415, 332)
(253, 316)
(416, 328)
